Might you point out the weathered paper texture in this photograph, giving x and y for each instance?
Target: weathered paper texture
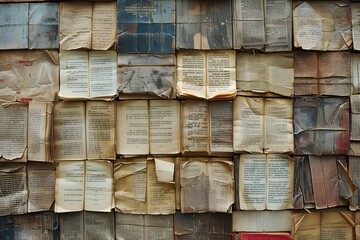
(103, 26)
(40, 119)
(139, 190)
(202, 226)
(354, 169)
(263, 125)
(206, 75)
(146, 76)
(88, 75)
(29, 75)
(355, 15)
(41, 184)
(142, 227)
(355, 118)
(203, 24)
(265, 181)
(14, 190)
(72, 225)
(265, 73)
(321, 125)
(261, 221)
(13, 132)
(355, 73)
(260, 236)
(146, 26)
(206, 185)
(323, 26)
(303, 190)
(322, 73)
(264, 25)
(69, 131)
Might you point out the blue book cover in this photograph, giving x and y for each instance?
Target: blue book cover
(14, 25)
(146, 26)
(43, 25)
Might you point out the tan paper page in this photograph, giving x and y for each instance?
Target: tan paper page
(355, 118)
(248, 124)
(75, 25)
(69, 186)
(132, 127)
(355, 14)
(98, 225)
(165, 133)
(40, 131)
(41, 184)
(306, 73)
(334, 225)
(306, 226)
(278, 137)
(98, 186)
(195, 127)
(72, 225)
(13, 132)
(103, 25)
(69, 131)
(355, 73)
(191, 74)
(100, 130)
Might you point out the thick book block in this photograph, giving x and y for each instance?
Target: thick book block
(146, 26)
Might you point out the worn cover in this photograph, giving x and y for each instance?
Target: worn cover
(146, 26)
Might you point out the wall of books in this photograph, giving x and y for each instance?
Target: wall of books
(180, 119)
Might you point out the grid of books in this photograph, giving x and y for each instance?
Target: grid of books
(180, 119)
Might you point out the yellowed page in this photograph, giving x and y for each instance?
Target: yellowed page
(355, 14)
(195, 127)
(221, 185)
(334, 225)
(191, 74)
(221, 75)
(100, 130)
(132, 127)
(69, 131)
(103, 25)
(41, 184)
(130, 186)
(278, 137)
(248, 124)
(165, 136)
(280, 182)
(13, 131)
(39, 131)
(74, 75)
(160, 196)
(75, 25)
(102, 74)
(307, 227)
(98, 186)
(69, 186)
(252, 181)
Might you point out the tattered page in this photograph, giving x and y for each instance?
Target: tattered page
(306, 73)
(303, 189)
(103, 28)
(306, 226)
(355, 73)
(354, 170)
(98, 225)
(338, 225)
(355, 17)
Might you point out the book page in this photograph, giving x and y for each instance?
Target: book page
(41, 184)
(39, 131)
(354, 170)
(221, 75)
(252, 181)
(160, 196)
(280, 182)
(98, 225)
(191, 74)
(335, 225)
(306, 73)
(194, 182)
(132, 127)
(355, 14)
(303, 189)
(13, 132)
(102, 74)
(306, 226)
(278, 125)
(165, 133)
(248, 124)
(221, 127)
(14, 191)
(221, 185)
(98, 186)
(131, 186)
(103, 25)
(355, 73)
(74, 75)
(195, 127)
(100, 130)
(75, 25)
(130, 226)
(69, 131)
(72, 225)
(355, 117)
(69, 186)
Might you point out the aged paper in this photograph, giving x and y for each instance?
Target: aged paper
(303, 190)
(355, 15)
(99, 225)
(355, 73)
(103, 26)
(72, 225)
(354, 169)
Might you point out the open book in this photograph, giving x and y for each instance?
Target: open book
(88, 75)
(84, 185)
(87, 25)
(84, 130)
(263, 125)
(206, 74)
